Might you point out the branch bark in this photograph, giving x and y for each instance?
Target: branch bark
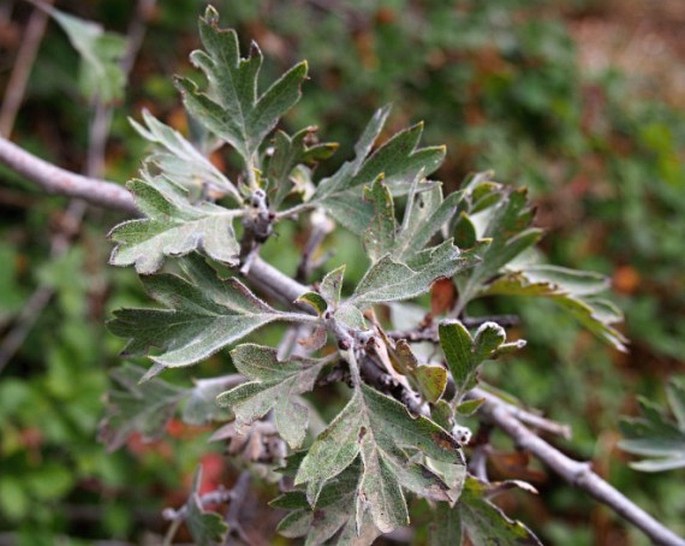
(62, 182)
(576, 473)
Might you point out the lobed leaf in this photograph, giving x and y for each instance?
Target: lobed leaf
(173, 227)
(201, 316)
(464, 354)
(233, 109)
(398, 161)
(181, 162)
(475, 518)
(574, 291)
(379, 431)
(389, 280)
(275, 385)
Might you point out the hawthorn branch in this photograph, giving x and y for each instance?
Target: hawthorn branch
(529, 418)
(59, 181)
(577, 474)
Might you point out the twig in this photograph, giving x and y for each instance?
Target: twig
(240, 491)
(532, 419)
(218, 496)
(62, 182)
(576, 473)
(16, 87)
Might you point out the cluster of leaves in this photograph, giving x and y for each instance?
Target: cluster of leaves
(515, 100)
(395, 434)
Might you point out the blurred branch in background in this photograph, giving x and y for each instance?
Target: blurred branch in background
(101, 119)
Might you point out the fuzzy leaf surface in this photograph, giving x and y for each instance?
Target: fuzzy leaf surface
(274, 385)
(391, 280)
(173, 227)
(465, 354)
(232, 108)
(288, 152)
(201, 316)
(333, 519)
(506, 226)
(379, 430)
(182, 162)
(481, 521)
(398, 161)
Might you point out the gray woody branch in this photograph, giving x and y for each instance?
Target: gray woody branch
(501, 414)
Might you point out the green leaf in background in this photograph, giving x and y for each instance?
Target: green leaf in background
(202, 316)
(206, 528)
(134, 407)
(275, 385)
(232, 108)
(380, 431)
(574, 291)
(655, 435)
(101, 75)
(478, 519)
(173, 227)
(182, 163)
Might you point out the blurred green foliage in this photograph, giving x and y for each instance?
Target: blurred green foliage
(499, 82)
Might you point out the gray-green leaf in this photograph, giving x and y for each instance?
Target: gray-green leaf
(232, 108)
(275, 386)
(202, 315)
(464, 354)
(481, 521)
(173, 227)
(574, 291)
(390, 280)
(380, 430)
(181, 162)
